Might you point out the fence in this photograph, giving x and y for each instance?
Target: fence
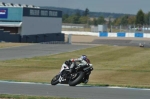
(108, 34)
(75, 27)
(112, 28)
(130, 28)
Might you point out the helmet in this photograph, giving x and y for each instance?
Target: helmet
(84, 57)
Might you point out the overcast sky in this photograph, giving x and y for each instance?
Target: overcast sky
(114, 6)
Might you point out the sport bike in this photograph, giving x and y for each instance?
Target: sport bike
(74, 78)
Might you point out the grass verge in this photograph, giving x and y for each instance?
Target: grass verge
(113, 66)
(6, 96)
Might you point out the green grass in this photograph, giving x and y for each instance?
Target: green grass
(6, 96)
(113, 66)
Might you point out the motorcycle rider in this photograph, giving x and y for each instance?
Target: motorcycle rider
(83, 61)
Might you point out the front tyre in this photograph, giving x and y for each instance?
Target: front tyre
(76, 78)
(55, 80)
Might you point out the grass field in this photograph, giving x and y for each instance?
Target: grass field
(4, 45)
(113, 65)
(5, 96)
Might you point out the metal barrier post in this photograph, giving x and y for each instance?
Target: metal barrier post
(69, 38)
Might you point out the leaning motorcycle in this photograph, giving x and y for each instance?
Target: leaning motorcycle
(74, 78)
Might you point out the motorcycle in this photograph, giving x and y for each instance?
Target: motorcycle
(74, 78)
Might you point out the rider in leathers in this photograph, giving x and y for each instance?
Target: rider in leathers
(83, 61)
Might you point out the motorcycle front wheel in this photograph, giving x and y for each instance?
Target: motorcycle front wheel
(55, 80)
(76, 78)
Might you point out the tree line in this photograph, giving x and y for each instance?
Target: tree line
(82, 18)
(140, 18)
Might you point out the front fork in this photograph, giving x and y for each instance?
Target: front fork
(62, 78)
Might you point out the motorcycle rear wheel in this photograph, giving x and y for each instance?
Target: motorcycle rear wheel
(78, 79)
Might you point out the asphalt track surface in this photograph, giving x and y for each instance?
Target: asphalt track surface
(84, 92)
(38, 50)
(119, 42)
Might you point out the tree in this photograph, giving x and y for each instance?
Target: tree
(95, 23)
(109, 22)
(117, 21)
(86, 12)
(124, 20)
(101, 20)
(83, 20)
(75, 19)
(64, 18)
(78, 13)
(147, 18)
(131, 20)
(77, 16)
(140, 17)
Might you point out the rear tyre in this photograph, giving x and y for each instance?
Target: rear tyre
(55, 80)
(77, 79)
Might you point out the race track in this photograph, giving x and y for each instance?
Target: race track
(117, 42)
(38, 50)
(84, 92)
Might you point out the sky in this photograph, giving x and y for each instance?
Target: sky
(112, 6)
